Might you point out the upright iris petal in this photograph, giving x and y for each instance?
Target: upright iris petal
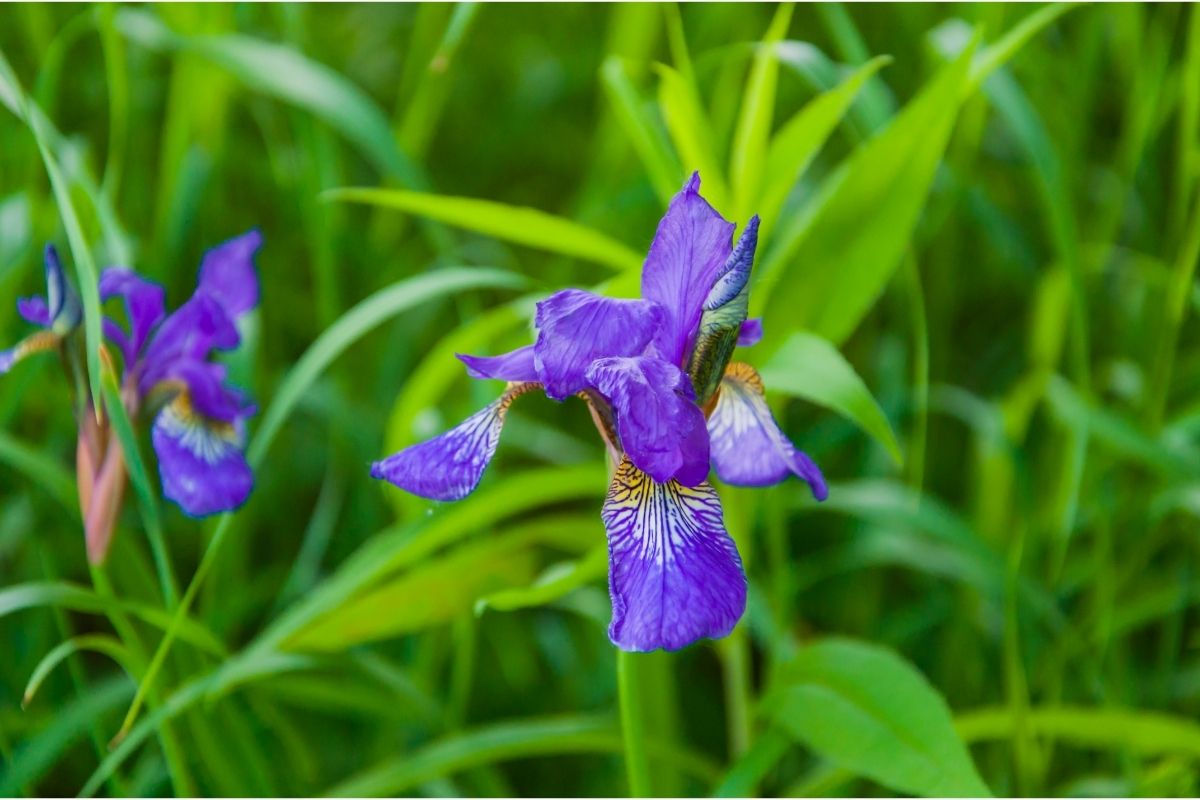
(144, 304)
(689, 248)
(576, 327)
(661, 427)
(227, 274)
(674, 574)
(58, 314)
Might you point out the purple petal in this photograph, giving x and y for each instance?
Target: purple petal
(734, 274)
(62, 303)
(660, 426)
(34, 311)
(7, 359)
(204, 383)
(674, 574)
(751, 332)
(748, 449)
(143, 307)
(515, 366)
(689, 248)
(200, 461)
(193, 331)
(227, 274)
(577, 327)
(450, 466)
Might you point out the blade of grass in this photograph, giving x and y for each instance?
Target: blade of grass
(648, 140)
(95, 643)
(520, 225)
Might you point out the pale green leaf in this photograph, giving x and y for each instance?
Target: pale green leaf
(809, 367)
(864, 708)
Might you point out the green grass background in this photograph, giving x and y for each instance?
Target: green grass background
(977, 278)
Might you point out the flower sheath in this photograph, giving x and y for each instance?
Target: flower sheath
(657, 376)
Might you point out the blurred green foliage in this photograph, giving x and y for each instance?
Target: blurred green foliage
(981, 227)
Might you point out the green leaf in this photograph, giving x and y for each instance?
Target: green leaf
(437, 591)
(281, 72)
(557, 581)
(692, 133)
(644, 132)
(801, 137)
(523, 226)
(41, 470)
(823, 273)
(77, 598)
(809, 367)
(96, 643)
(1145, 732)
(505, 741)
(753, 132)
(356, 323)
(864, 708)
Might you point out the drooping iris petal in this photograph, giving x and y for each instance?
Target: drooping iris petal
(144, 302)
(577, 327)
(204, 383)
(228, 275)
(674, 573)
(515, 366)
(193, 331)
(450, 466)
(751, 332)
(660, 426)
(200, 460)
(36, 343)
(690, 246)
(34, 311)
(748, 449)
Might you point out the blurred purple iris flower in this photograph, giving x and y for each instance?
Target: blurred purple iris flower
(657, 377)
(166, 369)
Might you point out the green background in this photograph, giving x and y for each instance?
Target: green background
(976, 277)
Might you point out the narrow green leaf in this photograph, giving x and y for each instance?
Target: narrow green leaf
(281, 72)
(646, 136)
(801, 137)
(42, 471)
(96, 643)
(523, 226)
(556, 582)
(864, 708)
(77, 598)
(503, 742)
(822, 273)
(1145, 732)
(692, 133)
(356, 323)
(809, 367)
(753, 132)
(85, 266)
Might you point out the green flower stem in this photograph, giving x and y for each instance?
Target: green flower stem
(633, 731)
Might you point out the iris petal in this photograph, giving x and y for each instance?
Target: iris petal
(515, 366)
(450, 466)
(674, 573)
(34, 311)
(144, 303)
(751, 332)
(61, 300)
(577, 327)
(660, 426)
(228, 275)
(200, 461)
(690, 246)
(748, 449)
(193, 331)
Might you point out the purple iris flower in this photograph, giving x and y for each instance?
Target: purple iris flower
(199, 424)
(657, 377)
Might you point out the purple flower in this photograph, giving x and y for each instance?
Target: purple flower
(657, 376)
(58, 314)
(199, 422)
